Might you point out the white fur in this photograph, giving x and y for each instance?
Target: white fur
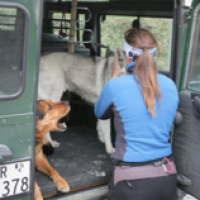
(84, 76)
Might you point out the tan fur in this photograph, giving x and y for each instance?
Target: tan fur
(37, 192)
(48, 115)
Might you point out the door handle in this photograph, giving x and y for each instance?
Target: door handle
(5, 153)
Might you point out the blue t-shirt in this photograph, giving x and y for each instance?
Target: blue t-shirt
(140, 136)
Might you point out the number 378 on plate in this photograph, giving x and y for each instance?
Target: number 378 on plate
(14, 178)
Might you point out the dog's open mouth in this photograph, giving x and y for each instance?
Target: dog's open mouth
(62, 126)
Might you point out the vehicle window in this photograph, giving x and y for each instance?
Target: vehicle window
(193, 79)
(12, 26)
(113, 28)
(58, 23)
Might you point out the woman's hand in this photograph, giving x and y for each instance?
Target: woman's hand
(116, 69)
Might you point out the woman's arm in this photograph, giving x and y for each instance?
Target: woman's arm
(104, 106)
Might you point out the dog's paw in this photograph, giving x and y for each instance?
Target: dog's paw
(110, 150)
(55, 144)
(62, 185)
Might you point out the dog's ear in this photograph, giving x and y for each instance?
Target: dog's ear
(40, 110)
(119, 53)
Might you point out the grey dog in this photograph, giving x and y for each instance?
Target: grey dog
(85, 76)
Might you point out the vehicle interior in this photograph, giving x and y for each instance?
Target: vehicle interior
(81, 158)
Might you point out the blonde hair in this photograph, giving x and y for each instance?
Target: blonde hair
(145, 70)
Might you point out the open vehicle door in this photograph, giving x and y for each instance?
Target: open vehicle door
(81, 159)
(186, 140)
(19, 25)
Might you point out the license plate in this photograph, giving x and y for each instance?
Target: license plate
(14, 178)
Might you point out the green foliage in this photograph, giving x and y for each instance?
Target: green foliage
(113, 28)
(7, 18)
(161, 29)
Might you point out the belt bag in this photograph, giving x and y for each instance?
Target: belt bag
(156, 169)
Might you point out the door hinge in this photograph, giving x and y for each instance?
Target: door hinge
(187, 16)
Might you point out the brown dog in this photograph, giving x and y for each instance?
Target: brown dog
(48, 114)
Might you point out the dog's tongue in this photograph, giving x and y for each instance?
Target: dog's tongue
(62, 125)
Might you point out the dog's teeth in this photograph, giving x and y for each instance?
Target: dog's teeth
(64, 125)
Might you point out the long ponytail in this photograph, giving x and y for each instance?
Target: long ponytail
(145, 71)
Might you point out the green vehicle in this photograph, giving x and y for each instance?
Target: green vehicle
(29, 28)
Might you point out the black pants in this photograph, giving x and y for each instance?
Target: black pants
(159, 188)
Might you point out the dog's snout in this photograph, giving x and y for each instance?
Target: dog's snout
(66, 102)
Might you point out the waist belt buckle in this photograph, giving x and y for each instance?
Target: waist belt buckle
(165, 161)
